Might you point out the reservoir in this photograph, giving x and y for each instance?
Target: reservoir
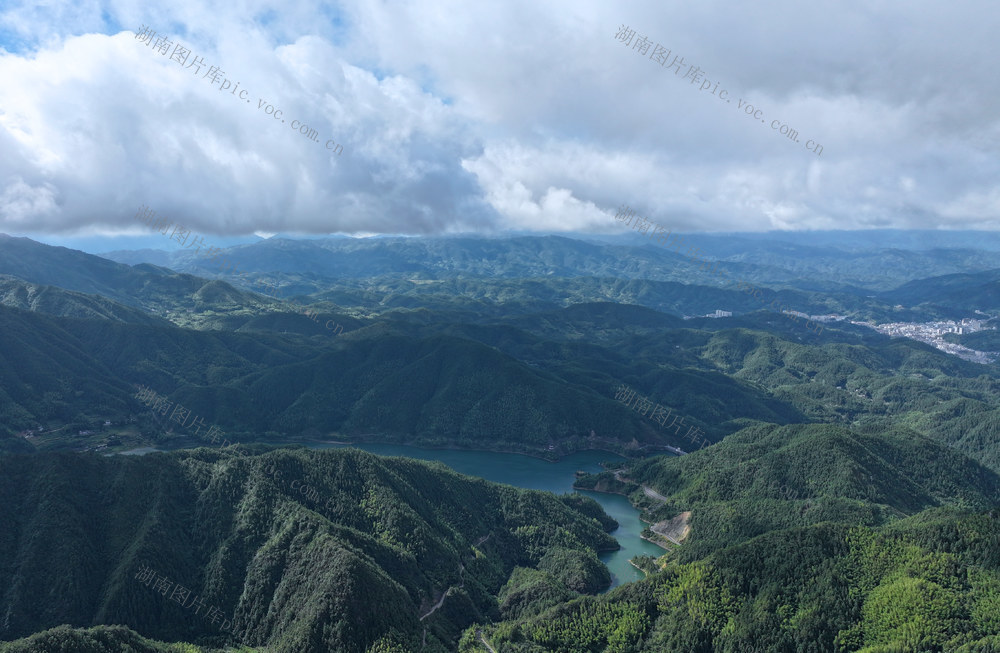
(537, 474)
(534, 474)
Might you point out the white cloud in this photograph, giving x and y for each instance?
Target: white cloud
(519, 115)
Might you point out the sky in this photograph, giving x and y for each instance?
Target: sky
(445, 117)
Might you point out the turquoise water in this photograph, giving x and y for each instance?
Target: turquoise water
(536, 474)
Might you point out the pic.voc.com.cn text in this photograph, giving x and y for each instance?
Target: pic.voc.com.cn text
(303, 310)
(662, 56)
(180, 54)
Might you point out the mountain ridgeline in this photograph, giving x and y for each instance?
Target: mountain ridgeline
(379, 552)
(801, 539)
(847, 498)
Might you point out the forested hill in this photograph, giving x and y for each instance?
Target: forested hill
(55, 301)
(929, 583)
(829, 261)
(766, 478)
(298, 550)
(266, 385)
(801, 538)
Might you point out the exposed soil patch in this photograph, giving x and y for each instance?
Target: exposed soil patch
(675, 529)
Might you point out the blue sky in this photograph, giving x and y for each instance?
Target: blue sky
(517, 116)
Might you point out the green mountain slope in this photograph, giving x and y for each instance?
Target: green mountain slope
(872, 382)
(802, 538)
(368, 552)
(766, 478)
(99, 639)
(467, 394)
(979, 290)
(80, 272)
(821, 588)
(16, 293)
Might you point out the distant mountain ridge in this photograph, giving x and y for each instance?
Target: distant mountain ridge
(508, 364)
(981, 289)
(28, 296)
(405, 272)
(771, 260)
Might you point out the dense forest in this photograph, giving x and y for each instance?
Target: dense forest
(846, 501)
(801, 538)
(369, 326)
(258, 370)
(927, 583)
(380, 551)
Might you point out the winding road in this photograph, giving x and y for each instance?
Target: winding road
(461, 574)
(653, 494)
(650, 492)
(479, 634)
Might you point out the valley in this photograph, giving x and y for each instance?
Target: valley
(831, 446)
(548, 352)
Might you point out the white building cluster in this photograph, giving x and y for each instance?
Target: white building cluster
(932, 333)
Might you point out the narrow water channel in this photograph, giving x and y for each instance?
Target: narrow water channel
(536, 474)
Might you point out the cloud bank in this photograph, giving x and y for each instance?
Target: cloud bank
(518, 116)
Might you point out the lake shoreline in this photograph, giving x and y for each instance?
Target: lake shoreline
(639, 510)
(644, 572)
(307, 442)
(530, 453)
(651, 541)
(523, 471)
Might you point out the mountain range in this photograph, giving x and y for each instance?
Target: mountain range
(846, 500)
